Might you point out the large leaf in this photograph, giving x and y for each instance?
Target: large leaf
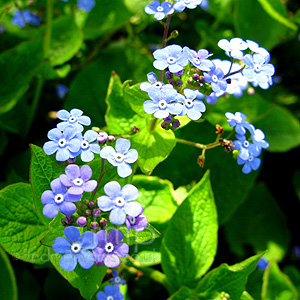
(87, 281)
(277, 285)
(21, 228)
(227, 279)
(8, 284)
(190, 242)
(259, 223)
(17, 68)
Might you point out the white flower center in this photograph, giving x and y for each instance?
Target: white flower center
(160, 8)
(119, 201)
(59, 198)
(75, 247)
(72, 119)
(250, 158)
(158, 85)
(214, 78)
(109, 247)
(257, 68)
(162, 104)
(110, 298)
(132, 220)
(119, 157)
(189, 103)
(62, 143)
(246, 144)
(187, 1)
(78, 181)
(196, 60)
(117, 279)
(171, 60)
(84, 144)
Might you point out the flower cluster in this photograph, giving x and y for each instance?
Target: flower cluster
(21, 18)
(248, 152)
(85, 5)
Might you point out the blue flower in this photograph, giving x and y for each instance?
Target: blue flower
(61, 90)
(78, 179)
(191, 107)
(163, 103)
(58, 199)
(246, 149)
(172, 57)
(138, 223)
(76, 248)
(257, 69)
(254, 47)
(111, 292)
(199, 59)
(252, 163)
(120, 202)
(72, 118)
(153, 83)
(116, 278)
(237, 120)
(159, 10)
(20, 18)
(234, 47)
(258, 136)
(180, 5)
(262, 264)
(110, 248)
(86, 5)
(215, 78)
(64, 143)
(204, 4)
(121, 157)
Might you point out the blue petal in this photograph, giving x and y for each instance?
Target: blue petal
(72, 234)
(90, 135)
(86, 259)
(130, 192)
(50, 210)
(107, 152)
(117, 216)
(133, 208)
(68, 208)
(68, 262)
(131, 156)
(87, 155)
(105, 203)
(62, 154)
(112, 189)
(149, 107)
(63, 115)
(88, 240)
(122, 145)
(61, 245)
(84, 120)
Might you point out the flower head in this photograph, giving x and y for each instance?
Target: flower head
(215, 78)
(111, 292)
(58, 199)
(86, 5)
(237, 120)
(61, 90)
(120, 202)
(76, 248)
(199, 59)
(180, 5)
(251, 163)
(234, 47)
(153, 83)
(116, 278)
(138, 223)
(121, 157)
(110, 248)
(20, 18)
(159, 10)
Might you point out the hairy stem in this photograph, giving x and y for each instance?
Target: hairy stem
(197, 145)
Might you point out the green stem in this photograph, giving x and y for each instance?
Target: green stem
(153, 124)
(48, 34)
(197, 145)
(164, 43)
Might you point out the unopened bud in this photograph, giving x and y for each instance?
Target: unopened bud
(94, 225)
(111, 138)
(69, 220)
(85, 201)
(83, 206)
(174, 34)
(96, 212)
(135, 129)
(87, 213)
(81, 221)
(91, 204)
(179, 73)
(220, 129)
(196, 76)
(200, 161)
(102, 137)
(103, 222)
(168, 75)
(168, 119)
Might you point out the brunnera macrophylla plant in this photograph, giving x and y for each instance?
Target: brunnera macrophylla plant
(95, 205)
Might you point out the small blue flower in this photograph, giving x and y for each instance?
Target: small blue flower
(163, 103)
(204, 4)
(180, 5)
(191, 107)
(20, 18)
(86, 5)
(159, 10)
(153, 83)
(72, 118)
(138, 223)
(252, 163)
(237, 120)
(172, 57)
(254, 47)
(120, 202)
(262, 264)
(258, 136)
(116, 278)
(257, 68)
(64, 143)
(121, 157)
(61, 90)
(199, 59)
(111, 292)
(76, 248)
(215, 78)
(234, 47)
(58, 199)
(246, 149)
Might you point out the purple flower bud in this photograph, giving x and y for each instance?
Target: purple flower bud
(192, 70)
(172, 82)
(168, 75)
(190, 80)
(83, 206)
(85, 201)
(102, 137)
(98, 264)
(198, 84)
(195, 76)
(81, 221)
(96, 212)
(91, 204)
(168, 119)
(70, 160)
(103, 222)
(202, 79)
(111, 138)
(87, 213)
(164, 126)
(62, 221)
(179, 83)
(176, 124)
(251, 91)
(179, 73)
(198, 70)
(69, 220)
(94, 225)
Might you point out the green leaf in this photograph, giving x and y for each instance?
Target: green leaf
(277, 11)
(66, 40)
(281, 128)
(259, 223)
(183, 293)
(87, 281)
(17, 68)
(8, 284)
(105, 18)
(262, 29)
(120, 117)
(277, 285)
(21, 228)
(246, 296)
(190, 242)
(227, 279)
(153, 147)
(4, 141)
(294, 274)
(43, 169)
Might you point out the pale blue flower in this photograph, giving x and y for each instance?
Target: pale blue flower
(72, 118)
(180, 5)
(159, 10)
(234, 47)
